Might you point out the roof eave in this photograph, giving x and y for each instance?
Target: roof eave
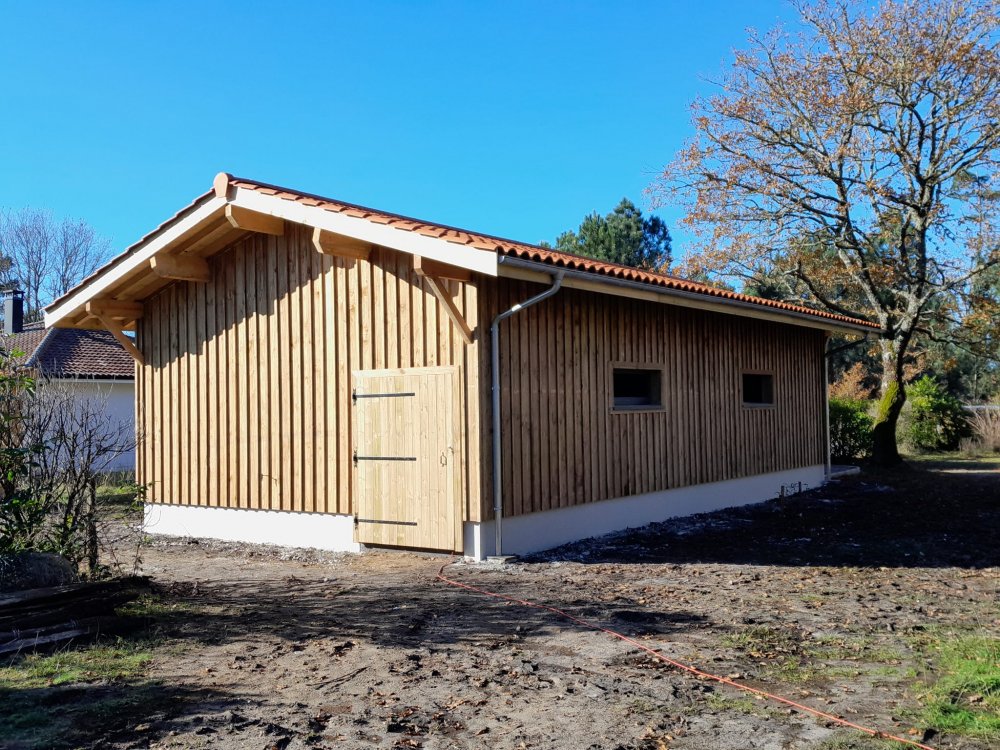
(206, 208)
(71, 310)
(529, 270)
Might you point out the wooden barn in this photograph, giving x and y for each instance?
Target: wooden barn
(314, 373)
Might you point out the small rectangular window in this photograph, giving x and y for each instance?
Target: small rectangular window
(758, 389)
(636, 388)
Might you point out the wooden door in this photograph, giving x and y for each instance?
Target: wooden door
(407, 458)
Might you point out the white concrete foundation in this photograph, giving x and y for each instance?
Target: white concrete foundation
(521, 534)
(324, 531)
(539, 531)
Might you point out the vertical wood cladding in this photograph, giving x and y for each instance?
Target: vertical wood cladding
(245, 398)
(565, 445)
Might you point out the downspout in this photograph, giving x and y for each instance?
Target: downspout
(557, 280)
(828, 471)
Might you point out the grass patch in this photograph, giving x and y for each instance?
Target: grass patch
(965, 699)
(764, 642)
(77, 695)
(738, 703)
(788, 657)
(52, 700)
(119, 488)
(956, 460)
(857, 741)
(862, 649)
(115, 662)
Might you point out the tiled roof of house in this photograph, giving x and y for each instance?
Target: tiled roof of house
(533, 252)
(26, 341)
(71, 353)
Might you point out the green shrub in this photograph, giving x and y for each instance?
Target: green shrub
(937, 421)
(850, 429)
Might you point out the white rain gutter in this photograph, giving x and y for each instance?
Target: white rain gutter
(557, 279)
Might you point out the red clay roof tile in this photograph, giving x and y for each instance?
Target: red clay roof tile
(544, 255)
(490, 243)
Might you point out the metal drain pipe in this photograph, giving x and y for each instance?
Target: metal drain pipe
(828, 467)
(557, 280)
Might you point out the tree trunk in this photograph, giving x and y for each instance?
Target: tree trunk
(92, 545)
(892, 396)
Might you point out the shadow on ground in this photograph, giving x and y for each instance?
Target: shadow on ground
(99, 715)
(425, 614)
(915, 517)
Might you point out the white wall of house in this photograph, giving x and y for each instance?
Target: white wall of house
(119, 398)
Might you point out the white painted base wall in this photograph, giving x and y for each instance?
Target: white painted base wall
(521, 534)
(324, 531)
(539, 531)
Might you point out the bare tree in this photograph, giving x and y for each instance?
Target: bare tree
(73, 443)
(844, 152)
(46, 257)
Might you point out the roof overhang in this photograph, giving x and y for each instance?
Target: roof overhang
(111, 298)
(527, 270)
(178, 248)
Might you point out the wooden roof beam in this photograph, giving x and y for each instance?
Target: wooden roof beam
(115, 308)
(253, 221)
(340, 246)
(428, 267)
(180, 268)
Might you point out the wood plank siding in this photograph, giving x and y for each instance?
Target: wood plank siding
(564, 445)
(245, 397)
(245, 394)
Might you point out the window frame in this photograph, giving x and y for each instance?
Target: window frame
(753, 405)
(639, 408)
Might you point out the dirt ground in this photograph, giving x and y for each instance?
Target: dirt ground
(828, 598)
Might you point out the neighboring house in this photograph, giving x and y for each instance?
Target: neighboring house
(89, 362)
(316, 373)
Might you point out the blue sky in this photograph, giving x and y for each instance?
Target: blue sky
(508, 118)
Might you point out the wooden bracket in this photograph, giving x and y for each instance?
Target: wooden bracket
(252, 221)
(441, 292)
(115, 309)
(329, 243)
(178, 268)
(428, 267)
(115, 328)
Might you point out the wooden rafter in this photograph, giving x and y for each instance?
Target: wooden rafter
(180, 268)
(440, 291)
(115, 309)
(254, 221)
(329, 243)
